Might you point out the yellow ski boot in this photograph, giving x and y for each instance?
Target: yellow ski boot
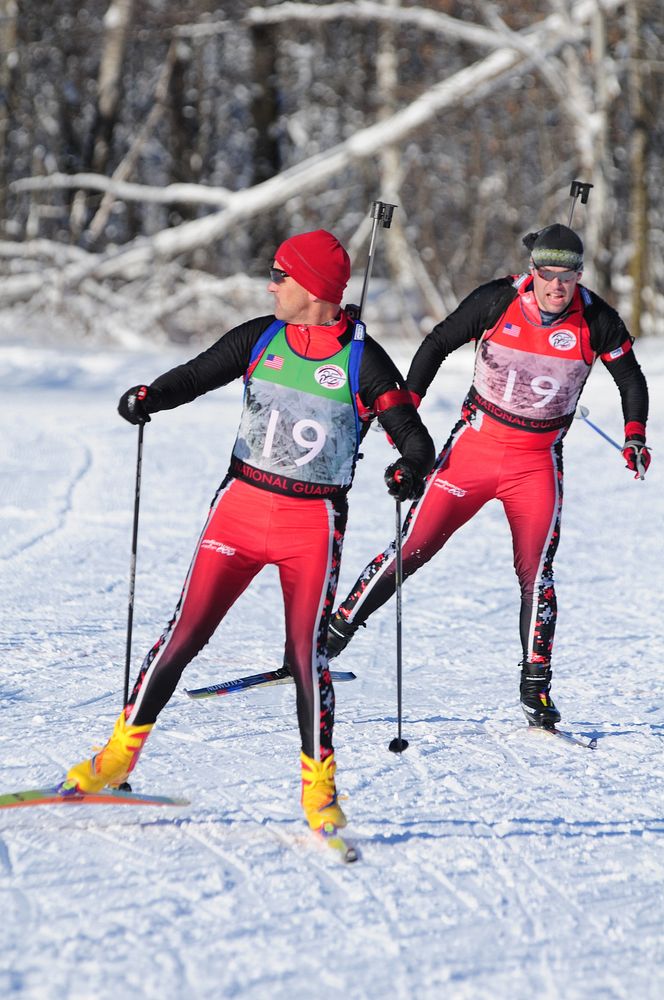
(112, 764)
(319, 793)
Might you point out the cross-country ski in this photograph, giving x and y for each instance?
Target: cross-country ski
(57, 796)
(282, 675)
(562, 734)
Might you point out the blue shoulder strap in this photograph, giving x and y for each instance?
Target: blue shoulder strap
(354, 362)
(266, 336)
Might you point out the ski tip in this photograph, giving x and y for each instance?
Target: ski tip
(199, 693)
(589, 743)
(339, 676)
(330, 835)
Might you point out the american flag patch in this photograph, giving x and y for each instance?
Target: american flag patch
(512, 329)
(274, 361)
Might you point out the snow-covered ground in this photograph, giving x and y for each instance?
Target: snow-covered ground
(495, 863)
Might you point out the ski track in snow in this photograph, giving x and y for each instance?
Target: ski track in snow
(493, 863)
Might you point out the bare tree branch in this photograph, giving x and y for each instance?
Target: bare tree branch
(116, 27)
(124, 168)
(191, 194)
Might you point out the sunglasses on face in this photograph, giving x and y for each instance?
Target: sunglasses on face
(277, 275)
(564, 276)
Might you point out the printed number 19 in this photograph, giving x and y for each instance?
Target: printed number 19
(312, 447)
(542, 385)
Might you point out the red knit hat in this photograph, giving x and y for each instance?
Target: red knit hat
(318, 262)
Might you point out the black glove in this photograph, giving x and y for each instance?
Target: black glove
(403, 482)
(132, 405)
(636, 455)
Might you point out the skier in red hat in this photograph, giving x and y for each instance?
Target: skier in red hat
(311, 376)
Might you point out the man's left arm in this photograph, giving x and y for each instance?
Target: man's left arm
(611, 340)
(383, 392)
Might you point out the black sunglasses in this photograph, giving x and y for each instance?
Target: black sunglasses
(564, 276)
(277, 275)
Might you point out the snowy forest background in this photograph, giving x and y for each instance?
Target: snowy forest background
(153, 154)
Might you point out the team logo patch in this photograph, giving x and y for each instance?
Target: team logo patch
(563, 340)
(330, 376)
(219, 547)
(443, 484)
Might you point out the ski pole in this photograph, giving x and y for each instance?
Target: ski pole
(381, 213)
(578, 188)
(582, 413)
(132, 571)
(398, 745)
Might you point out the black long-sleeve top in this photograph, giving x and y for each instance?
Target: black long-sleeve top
(229, 358)
(481, 310)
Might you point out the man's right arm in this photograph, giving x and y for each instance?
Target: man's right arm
(220, 364)
(475, 314)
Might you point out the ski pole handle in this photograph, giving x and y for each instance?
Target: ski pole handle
(578, 188)
(381, 213)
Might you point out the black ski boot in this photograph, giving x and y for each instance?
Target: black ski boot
(536, 700)
(339, 634)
